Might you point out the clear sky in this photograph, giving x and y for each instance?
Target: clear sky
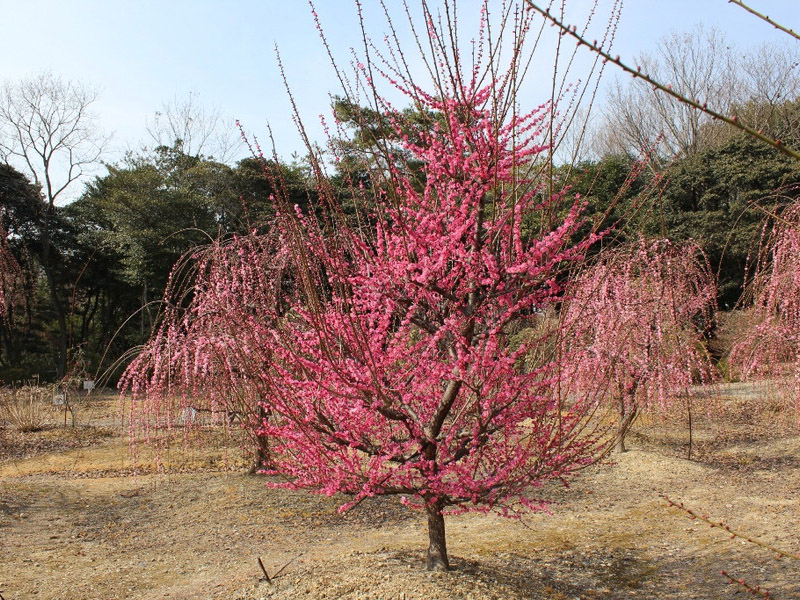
(143, 53)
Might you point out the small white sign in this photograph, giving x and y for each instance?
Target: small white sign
(59, 399)
(88, 385)
(189, 414)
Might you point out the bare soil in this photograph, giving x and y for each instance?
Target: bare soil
(77, 523)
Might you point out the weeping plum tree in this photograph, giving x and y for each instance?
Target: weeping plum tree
(773, 340)
(636, 321)
(214, 354)
(376, 343)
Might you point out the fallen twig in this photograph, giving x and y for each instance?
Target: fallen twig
(266, 577)
(264, 570)
(279, 571)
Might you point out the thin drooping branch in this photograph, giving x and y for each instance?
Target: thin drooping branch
(636, 321)
(766, 18)
(695, 103)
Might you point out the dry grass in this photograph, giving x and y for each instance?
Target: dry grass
(28, 408)
(197, 531)
(114, 456)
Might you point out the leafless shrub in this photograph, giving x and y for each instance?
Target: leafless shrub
(27, 408)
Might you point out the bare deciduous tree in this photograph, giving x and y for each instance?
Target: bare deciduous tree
(697, 64)
(48, 130)
(759, 87)
(198, 130)
(770, 88)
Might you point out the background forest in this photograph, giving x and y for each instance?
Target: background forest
(95, 268)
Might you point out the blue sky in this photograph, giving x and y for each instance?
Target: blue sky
(145, 52)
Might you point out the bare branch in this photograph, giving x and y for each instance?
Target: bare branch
(776, 25)
(199, 131)
(46, 128)
(696, 104)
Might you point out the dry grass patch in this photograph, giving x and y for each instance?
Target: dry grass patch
(98, 452)
(196, 531)
(27, 408)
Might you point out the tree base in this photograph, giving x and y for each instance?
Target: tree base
(436, 557)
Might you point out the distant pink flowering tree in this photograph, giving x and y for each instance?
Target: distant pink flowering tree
(635, 322)
(376, 343)
(213, 354)
(773, 341)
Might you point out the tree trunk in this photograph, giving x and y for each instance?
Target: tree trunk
(436, 559)
(261, 453)
(627, 413)
(48, 266)
(691, 430)
(63, 332)
(620, 447)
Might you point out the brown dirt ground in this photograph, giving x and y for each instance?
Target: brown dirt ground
(75, 524)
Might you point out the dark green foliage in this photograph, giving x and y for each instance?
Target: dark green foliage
(141, 218)
(617, 192)
(95, 270)
(373, 143)
(22, 209)
(720, 197)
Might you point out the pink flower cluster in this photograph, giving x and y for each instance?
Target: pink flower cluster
(634, 323)
(772, 342)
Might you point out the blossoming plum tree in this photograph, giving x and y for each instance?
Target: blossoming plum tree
(773, 341)
(377, 345)
(212, 353)
(636, 321)
(389, 369)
